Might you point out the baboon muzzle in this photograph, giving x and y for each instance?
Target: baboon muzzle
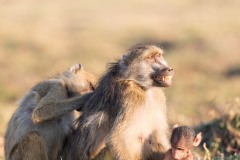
(164, 77)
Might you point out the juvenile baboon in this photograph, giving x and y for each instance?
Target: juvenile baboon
(126, 113)
(182, 140)
(38, 131)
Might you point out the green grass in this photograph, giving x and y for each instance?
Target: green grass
(201, 41)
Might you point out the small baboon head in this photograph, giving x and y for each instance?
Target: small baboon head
(79, 81)
(182, 140)
(145, 64)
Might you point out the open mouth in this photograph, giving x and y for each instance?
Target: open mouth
(165, 79)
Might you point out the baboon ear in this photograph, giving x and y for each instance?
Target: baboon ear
(175, 126)
(75, 68)
(197, 139)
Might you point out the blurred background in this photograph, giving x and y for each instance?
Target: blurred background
(201, 40)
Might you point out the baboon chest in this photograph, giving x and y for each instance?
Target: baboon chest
(146, 120)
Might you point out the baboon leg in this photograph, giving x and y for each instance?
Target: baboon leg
(30, 147)
(104, 155)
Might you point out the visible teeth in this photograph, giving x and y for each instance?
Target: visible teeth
(166, 78)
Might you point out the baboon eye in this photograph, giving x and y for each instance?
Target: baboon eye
(158, 55)
(149, 57)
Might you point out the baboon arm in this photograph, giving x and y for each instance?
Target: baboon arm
(116, 142)
(75, 103)
(55, 104)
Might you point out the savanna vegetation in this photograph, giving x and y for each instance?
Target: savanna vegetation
(201, 40)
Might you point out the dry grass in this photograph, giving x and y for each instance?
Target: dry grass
(201, 41)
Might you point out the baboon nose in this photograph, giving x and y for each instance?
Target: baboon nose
(170, 69)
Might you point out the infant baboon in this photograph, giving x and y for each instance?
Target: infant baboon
(123, 113)
(182, 140)
(36, 130)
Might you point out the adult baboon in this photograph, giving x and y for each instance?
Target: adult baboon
(38, 131)
(126, 113)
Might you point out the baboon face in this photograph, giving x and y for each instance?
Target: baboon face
(179, 153)
(146, 65)
(79, 81)
(183, 138)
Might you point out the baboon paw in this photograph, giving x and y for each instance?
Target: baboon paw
(36, 119)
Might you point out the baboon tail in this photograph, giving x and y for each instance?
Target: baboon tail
(30, 147)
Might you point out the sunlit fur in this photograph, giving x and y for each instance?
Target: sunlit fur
(39, 126)
(126, 113)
